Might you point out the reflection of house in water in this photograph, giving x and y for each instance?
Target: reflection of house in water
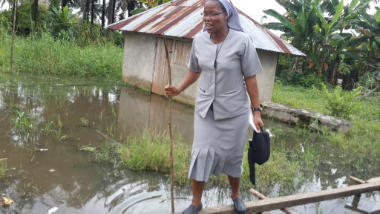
(179, 21)
(138, 111)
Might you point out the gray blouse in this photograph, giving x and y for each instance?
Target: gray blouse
(223, 70)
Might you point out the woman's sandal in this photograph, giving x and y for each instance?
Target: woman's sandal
(239, 205)
(192, 209)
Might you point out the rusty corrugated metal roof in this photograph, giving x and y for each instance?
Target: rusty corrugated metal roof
(183, 19)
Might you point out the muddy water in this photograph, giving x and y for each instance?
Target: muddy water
(49, 172)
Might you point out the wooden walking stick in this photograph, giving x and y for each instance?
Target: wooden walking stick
(13, 30)
(170, 129)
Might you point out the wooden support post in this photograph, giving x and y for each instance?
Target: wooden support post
(357, 209)
(13, 31)
(355, 202)
(261, 197)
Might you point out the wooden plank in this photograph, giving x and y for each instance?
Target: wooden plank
(295, 200)
(373, 180)
(262, 197)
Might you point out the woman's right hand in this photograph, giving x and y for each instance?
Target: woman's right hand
(171, 91)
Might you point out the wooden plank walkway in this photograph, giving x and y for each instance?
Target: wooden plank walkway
(299, 199)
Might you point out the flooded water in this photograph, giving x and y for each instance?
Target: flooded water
(50, 174)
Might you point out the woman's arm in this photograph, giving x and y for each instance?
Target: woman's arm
(253, 92)
(189, 79)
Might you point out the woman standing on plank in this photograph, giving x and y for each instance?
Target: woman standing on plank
(226, 60)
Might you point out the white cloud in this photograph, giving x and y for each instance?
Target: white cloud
(255, 8)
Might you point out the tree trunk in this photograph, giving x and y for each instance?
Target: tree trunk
(92, 11)
(110, 11)
(103, 13)
(333, 74)
(35, 12)
(113, 11)
(86, 10)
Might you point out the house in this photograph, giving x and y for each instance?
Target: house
(178, 21)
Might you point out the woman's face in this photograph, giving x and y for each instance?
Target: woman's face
(214, 17)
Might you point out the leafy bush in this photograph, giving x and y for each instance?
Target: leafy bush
(87, 33)
(370, 80)
(25, 25)
(301, 79)
(62, 23)
(340, 103)
(5, 23)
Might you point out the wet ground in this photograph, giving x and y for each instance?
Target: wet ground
(50, 174)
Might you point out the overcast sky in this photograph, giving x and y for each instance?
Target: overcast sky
(255, 8)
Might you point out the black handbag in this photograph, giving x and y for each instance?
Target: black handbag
(258, 152)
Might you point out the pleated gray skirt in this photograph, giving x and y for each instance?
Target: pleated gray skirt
(218, 146)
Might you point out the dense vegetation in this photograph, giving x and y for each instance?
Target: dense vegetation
(340, 41)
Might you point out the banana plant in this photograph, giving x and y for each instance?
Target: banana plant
(62, 22)
(321, 29)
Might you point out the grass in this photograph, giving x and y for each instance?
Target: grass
(150, 152)
(45, 55)
(361, 144)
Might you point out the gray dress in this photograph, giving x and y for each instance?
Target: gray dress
(222, 105)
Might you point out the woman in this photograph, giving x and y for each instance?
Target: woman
(226, 60)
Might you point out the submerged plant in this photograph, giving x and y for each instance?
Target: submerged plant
(25, 125)
(3, 168)
(84, 122)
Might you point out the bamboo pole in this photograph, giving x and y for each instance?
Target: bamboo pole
(262, 197)
(13, 30)
(357, 180)
(170, 129)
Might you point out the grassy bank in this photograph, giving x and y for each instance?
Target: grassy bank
(45, 55)
(360, 146)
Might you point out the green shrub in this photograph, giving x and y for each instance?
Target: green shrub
(88, 34)
(24, 24)
(62, 23)
(301, 79)
(369, 81)
(339, 102)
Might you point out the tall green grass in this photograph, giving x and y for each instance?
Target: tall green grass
(150, 152)
(46, 55)
(359, 146)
